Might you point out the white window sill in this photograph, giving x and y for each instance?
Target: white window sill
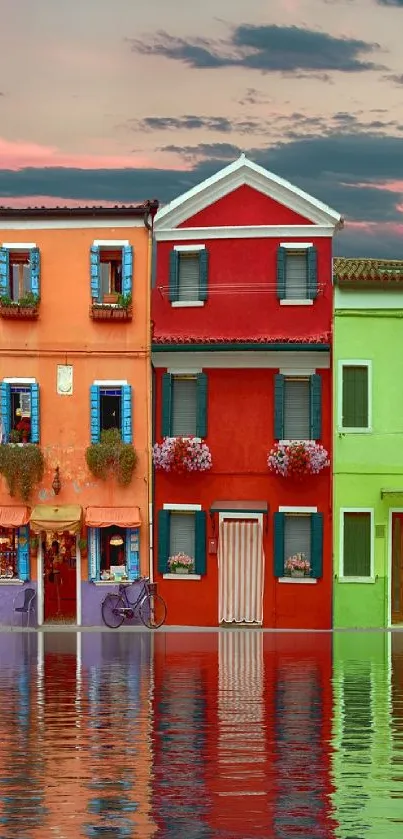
(187, 304)
(298, 580)
(186, 437)
(286, 302)
(288, 442)
(364, 580)
(181, 576)
(111, 582)
(11, 582)
(354, 430)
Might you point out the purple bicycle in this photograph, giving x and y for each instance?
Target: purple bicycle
(149, 606)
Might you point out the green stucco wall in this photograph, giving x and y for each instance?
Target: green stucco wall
(366, 463)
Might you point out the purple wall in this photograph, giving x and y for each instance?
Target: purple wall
(7, 595)
(92, 597)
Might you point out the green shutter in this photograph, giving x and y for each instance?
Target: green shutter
(312, 272)
(316, 407)
(316, 545)
(279, 407)
(357, 545)
(166, 419)
(200, 542)
(173, 276)
(355, 397)
(203, 276)
(164, 518)
(281, 272)
(201, 426)
(278, 547)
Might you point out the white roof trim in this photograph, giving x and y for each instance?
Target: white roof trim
(243, 171)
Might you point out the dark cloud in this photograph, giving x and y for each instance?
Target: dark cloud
(217, 151)
(394, 77)
(252, 96)
(397, 3)
(285, 49)
(189, 122)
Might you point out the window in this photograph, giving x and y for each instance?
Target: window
(296, 273)
(297, 407)
(19, 272)
(111, 271)
(355, 401)
(188, 275)
(182, 531)
(356, 543)
(14, 553)
(19, 412)
(113, 553)
(184, 405)
(298, 532)
(111, 407)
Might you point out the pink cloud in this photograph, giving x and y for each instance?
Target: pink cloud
(19, 154)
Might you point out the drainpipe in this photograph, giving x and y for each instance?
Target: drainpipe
(148, 223)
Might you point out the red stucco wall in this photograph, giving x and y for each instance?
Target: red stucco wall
(244, 206)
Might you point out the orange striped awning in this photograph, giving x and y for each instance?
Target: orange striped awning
(14, 516)
(107, 516)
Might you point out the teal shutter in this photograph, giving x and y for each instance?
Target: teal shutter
(23, 554)
(201, 423)
(35, 428)
(164, 521)
(127, 270)
(166, 405)
(279, 407)
(173, 275)
(95, 409)
(4, 272)
(94, 554)
(203, 276)
(316, 407)
(281, 269)
(95, 266)
(132, 552)
(200, 542)
(35, 269)
(278, 547)
(126, 414)
(312, 271)
(316, 545)
(5, 401)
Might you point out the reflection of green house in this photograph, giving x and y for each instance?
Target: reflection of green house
(368, 443)
(366, 771)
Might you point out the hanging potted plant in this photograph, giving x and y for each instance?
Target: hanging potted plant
(111, 457)
(22, 467)
(297, 459)
(182, 454)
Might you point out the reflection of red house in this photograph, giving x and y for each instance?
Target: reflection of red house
(242, 309)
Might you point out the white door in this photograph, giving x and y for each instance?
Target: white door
(240, 571)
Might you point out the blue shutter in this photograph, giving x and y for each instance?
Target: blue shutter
(35, 413)
(173, 275)
(94, 554)
(4, 272)
(278, 548)
(200, 542)
(126, 414)
(127, 270)
(5, 399)
(201, 424)
(95, 264)
(203, 275)
(281, 269)
(132, 552)
(316, 545)
(23, 554)
(312, 271)
(95, 412)
(316, 407)
(279, 407)
(35, 270)
(164, 522)
(166, 422)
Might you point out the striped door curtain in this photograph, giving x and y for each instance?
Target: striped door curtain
(240, 572)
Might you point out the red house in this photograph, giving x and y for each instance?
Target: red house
(242, 312)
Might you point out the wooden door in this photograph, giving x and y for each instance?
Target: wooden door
(397, 568)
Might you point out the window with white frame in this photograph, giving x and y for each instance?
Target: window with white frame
(182, 537)
(184, 406)
(297, 409)
(356, 543)
(297, 272)
(188, 274)
(355, 396)
(19, 405)
(297, 536)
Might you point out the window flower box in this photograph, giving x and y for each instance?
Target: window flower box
(106, 311)
(182, 454)
(26, 308)
(181, 563)
(297, 566)
(297, 459)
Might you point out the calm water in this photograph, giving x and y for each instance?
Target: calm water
(229, 735)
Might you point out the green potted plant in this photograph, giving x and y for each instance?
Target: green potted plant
(22, 467)
(25, 307)
(112, 456)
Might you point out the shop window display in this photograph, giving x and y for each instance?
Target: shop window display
(8, 553)
(113, 553)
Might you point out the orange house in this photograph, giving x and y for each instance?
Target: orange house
(75, 408)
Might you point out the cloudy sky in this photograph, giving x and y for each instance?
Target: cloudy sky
(126, 100)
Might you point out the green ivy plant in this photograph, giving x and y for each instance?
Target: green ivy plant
(125, 301)
(28, 301)
(22, 467)
(111, 455)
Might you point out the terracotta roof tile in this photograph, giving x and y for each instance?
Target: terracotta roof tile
(324, 338)
(350, 270)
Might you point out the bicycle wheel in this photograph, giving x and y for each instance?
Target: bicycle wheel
(112, 611)
(153, 611)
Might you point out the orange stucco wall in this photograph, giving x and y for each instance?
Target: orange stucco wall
(65, 334)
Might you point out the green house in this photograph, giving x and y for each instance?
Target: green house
(368, 443)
